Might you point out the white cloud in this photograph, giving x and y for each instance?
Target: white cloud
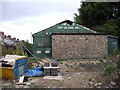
(33, 20)
(21, 28)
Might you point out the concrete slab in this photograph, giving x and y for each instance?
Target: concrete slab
(54, 77)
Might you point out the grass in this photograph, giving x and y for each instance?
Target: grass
(66, 65)
(33, 60)
(109, 69)
(30, 61)
(113, 54)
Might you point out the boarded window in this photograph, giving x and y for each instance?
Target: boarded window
(47, 51)
(38, 51)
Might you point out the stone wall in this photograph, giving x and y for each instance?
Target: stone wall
(79, 46)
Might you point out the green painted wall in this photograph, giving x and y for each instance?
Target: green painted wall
(112, 44)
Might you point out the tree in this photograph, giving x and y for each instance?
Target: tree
(97, 13)
(100, 16)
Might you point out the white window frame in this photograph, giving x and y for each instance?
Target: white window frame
(39, 52)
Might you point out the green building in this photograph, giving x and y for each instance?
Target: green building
(42, 41)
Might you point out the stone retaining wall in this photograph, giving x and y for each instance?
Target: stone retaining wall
(79, 46)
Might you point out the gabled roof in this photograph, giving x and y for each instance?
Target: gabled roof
(70, 23)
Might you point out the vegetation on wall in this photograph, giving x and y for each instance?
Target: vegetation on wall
(6, 49)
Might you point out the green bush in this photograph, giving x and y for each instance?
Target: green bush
(109, 69)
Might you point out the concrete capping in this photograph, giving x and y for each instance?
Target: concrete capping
(78, 34)
(111, 36)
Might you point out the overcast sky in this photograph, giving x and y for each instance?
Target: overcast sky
(20, 18)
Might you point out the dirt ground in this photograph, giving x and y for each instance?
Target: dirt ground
(76, 74)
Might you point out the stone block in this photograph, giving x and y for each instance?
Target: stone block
(46, 64)
(54, 64)
(47, 73)
(54, 74)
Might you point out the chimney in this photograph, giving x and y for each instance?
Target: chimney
(4, 36)
(9, 36)
(17, 39)
(2, 33)
(14, 38)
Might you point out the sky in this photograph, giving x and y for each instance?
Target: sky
(22, 18)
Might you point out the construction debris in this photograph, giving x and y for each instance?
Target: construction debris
(51, 68)
(12, 66)
(35, 72)
(46, 60)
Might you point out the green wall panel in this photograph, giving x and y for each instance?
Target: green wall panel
(112, 44)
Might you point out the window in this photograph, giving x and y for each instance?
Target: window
(38, 51)
(47, 51)
(46, 33)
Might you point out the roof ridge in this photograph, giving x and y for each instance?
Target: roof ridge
(69, 22)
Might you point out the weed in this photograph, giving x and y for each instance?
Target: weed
(42, 75)
(109, 69)
(61, 62)
(66, 65)
(113, 54)
(101, 61)
(118, 64)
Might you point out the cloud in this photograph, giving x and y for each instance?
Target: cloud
(19, 19)
(15, 10)
(21, 28)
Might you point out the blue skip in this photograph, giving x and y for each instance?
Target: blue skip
(34, 72)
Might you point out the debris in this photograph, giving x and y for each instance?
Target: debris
(25, 78)
(46, 60)
(69, 77)
(21, 79)
(99, 87)
(96, 85)
(99, 84)
(91, 83)
(6, 84)
(92, 80)
(35, 72)
(113, 83)
(21, 83)
(29, 84)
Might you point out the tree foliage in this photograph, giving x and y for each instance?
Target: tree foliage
(100, 16)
